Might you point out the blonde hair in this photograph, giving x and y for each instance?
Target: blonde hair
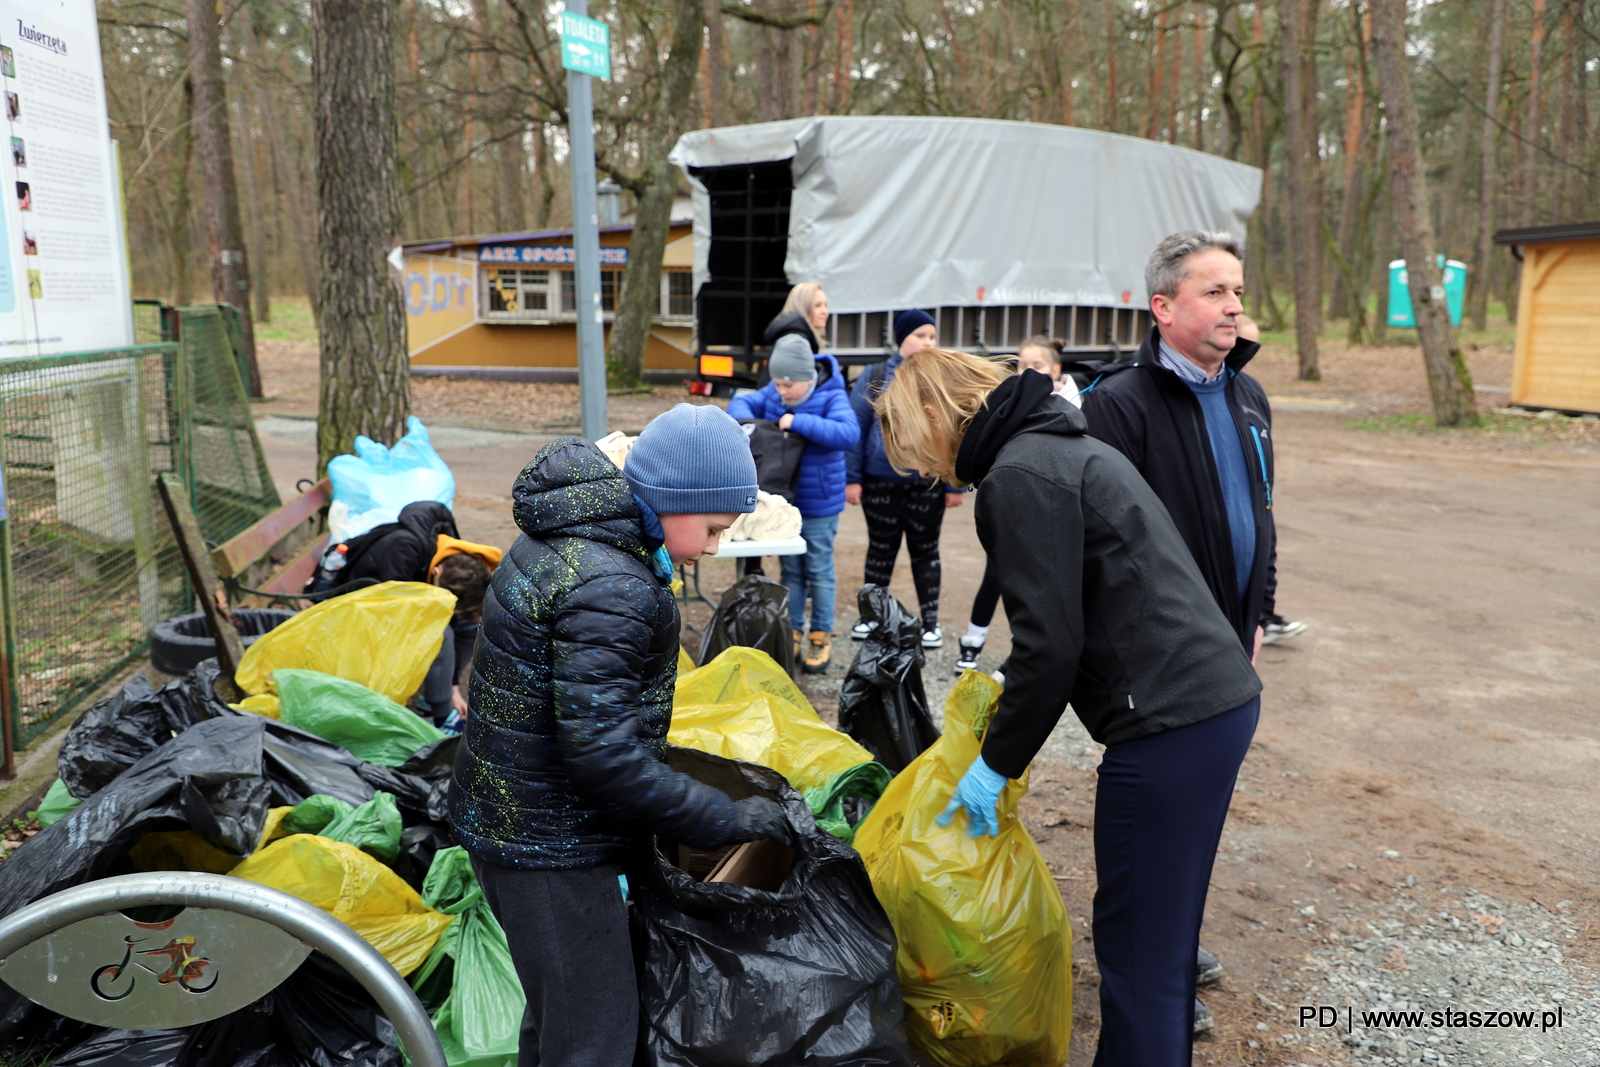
(926, 410)
(801, 297)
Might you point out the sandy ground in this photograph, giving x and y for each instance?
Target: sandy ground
(1415, 823)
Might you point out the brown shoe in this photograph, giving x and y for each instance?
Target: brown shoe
(797, 637)
(819, 653)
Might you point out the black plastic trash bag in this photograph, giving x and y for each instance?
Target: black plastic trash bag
(200, 686)
(881, 702)
(733, 975)
(777, 453)
(208, 779)
(754, 612)
(318, 1017)
(126, 1048)
(118, 732)
(300, 764)
(30, 1034)
(217, 778)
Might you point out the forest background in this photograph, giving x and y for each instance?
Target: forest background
(1505, 93)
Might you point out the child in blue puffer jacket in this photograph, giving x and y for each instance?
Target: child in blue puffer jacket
(807, 396)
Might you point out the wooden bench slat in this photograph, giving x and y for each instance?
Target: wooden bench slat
(232, 557)
(293, 578)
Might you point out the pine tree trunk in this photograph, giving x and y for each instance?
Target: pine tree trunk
(1531, 123)
(1355, 131)
(844, 60)
(1448, 379)
(1486, 182)
(640, 299)
(1570, 187)
(230, 268)
(716, 73)
(1305, 184)
(181, 238)
(365, 372)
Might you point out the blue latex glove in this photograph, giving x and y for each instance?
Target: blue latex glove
(978, 792)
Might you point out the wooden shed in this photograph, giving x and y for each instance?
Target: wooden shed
(1558, 316)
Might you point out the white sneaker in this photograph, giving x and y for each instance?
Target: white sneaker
(933, 638)
(971, 649)
(1277, 628)
(861, 629)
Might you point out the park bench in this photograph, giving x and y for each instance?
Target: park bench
(271, 560)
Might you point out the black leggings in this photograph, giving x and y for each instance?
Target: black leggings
(893, 509)
(983, 604)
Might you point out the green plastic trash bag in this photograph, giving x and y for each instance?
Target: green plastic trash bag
(312, 814)
(865, 781)
(350, 715)
(374, 827)
(57, 804)
(468, 982)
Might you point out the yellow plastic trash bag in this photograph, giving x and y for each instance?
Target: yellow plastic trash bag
(735, 674)
(384, 636)
(749, 709)
(685, 663)
(985, 955)
(771, 731)
(355, 889)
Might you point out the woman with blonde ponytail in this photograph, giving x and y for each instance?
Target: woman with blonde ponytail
(1108, 612)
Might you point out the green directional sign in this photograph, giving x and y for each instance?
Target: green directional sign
(585, 45)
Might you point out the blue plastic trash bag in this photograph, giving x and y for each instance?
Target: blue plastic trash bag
(370, 487)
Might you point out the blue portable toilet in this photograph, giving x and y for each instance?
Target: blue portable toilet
(1455, 291)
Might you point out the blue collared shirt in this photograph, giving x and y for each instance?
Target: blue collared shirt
(1227, 450)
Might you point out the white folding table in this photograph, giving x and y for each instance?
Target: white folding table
(782, 546)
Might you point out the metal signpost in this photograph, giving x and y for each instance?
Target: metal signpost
(586, 53)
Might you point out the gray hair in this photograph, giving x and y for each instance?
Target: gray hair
(1165, 270)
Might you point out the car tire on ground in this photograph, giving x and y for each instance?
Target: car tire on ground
(179, 644)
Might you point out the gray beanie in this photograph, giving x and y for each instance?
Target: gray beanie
(791, 359)
(693, 461)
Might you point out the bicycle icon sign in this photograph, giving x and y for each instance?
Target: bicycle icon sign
(184, 969)
(112, 970)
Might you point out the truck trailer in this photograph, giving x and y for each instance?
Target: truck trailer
(999, 230)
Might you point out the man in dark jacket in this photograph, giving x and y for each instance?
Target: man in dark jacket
(1196, 426)
(1199, 429)
(561, 773)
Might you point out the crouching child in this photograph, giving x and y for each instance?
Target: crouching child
(561, 772)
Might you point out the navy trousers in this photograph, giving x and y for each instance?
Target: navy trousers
(1158, 817)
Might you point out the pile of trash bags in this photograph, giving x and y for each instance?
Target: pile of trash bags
(320, 784)
(876, 931)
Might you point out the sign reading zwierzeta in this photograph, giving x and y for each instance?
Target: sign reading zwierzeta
(585, 45)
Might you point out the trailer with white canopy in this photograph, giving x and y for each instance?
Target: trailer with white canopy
(1000, 230)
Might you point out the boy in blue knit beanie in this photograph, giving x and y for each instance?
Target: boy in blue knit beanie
(561, 777)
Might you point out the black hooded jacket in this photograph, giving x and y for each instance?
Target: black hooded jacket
(400, 551)
(1107, 609)
(795, 323)
(562, 763)
(1147, 413)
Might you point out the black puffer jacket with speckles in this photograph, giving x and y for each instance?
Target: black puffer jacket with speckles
(562, 763)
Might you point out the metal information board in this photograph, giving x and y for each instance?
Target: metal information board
(585, 45)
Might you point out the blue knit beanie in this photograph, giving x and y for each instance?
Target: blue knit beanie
(693, 461)
(907, 322)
